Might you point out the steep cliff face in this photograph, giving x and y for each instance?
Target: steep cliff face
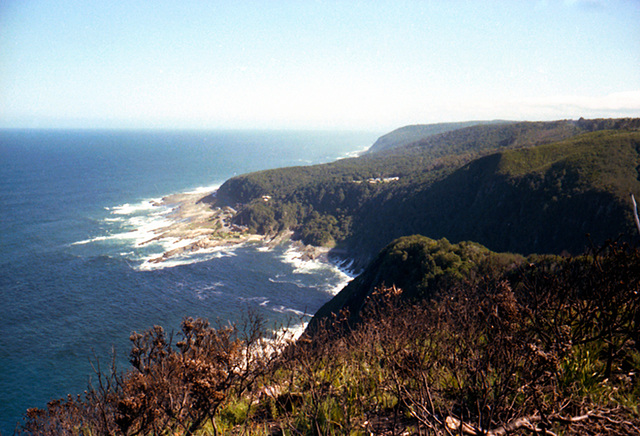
(527, 187)
(559, 197)
(419, 266)
(410, 134)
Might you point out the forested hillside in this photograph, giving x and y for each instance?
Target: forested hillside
(540, 200)
(410, 134)
(419, 266)
(523, 187)
(438, 335)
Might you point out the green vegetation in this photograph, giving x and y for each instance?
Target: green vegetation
(410, 134)
(559, 194)
(418, 265)
(434, 337)
(503, 345)
(605, 161)
(520, 187)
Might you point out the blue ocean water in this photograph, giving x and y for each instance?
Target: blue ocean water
(73, 281)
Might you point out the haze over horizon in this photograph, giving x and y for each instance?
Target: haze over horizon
(371, 65)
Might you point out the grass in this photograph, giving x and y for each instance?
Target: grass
(541, 343)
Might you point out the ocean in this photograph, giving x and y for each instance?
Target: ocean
(75, 281)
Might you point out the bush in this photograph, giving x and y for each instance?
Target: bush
(550, 347)
(171, 389)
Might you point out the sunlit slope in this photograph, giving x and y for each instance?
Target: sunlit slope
(547, 199)
(521, 187)
(418, 132)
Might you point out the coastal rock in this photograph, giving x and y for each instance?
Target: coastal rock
(197, 226)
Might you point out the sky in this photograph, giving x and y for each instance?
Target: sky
(312, 64)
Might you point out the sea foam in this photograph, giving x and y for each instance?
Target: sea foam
(129, 209)
(205, 190)
(295, 256)
(141, 229)
(186, 258)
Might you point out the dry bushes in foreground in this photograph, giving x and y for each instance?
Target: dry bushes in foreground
(551, 347)
(170, 389)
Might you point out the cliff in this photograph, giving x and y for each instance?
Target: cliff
(522, 187)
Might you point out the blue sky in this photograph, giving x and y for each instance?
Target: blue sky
(315, 64)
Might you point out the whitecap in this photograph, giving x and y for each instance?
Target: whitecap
(204, 189)
(288, 282)
(213, 286)
(207, 291)
(262, 300)
(148, 263)
(88, 241)
(284, 309)
(129, 209)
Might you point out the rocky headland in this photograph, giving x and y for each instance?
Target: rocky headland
(198, 225)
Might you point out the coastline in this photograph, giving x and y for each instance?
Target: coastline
(196, 226)
(79, 259)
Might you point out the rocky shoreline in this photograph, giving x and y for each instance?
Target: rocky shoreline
(196, 225)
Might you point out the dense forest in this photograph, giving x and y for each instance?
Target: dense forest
(499, 294)
(524, 187)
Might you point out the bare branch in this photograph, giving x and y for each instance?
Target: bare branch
(635, 212)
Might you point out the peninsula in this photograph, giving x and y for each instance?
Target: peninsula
(505, 298)
(525, 187)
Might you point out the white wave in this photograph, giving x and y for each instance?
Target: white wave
(207, 291)
(142, 206)
(260, 300)
(142, 230)
(295, 257)
(355, 153)
(287, 334)
(139, 222)
(140, 236)
(344, 281)
(204, 189)
(289, 282)
(88, 241)
(138, 230)
(171, 243)
(284, 309)
(213, 286)
(185, 258)
(296, 331)
(346, 267)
